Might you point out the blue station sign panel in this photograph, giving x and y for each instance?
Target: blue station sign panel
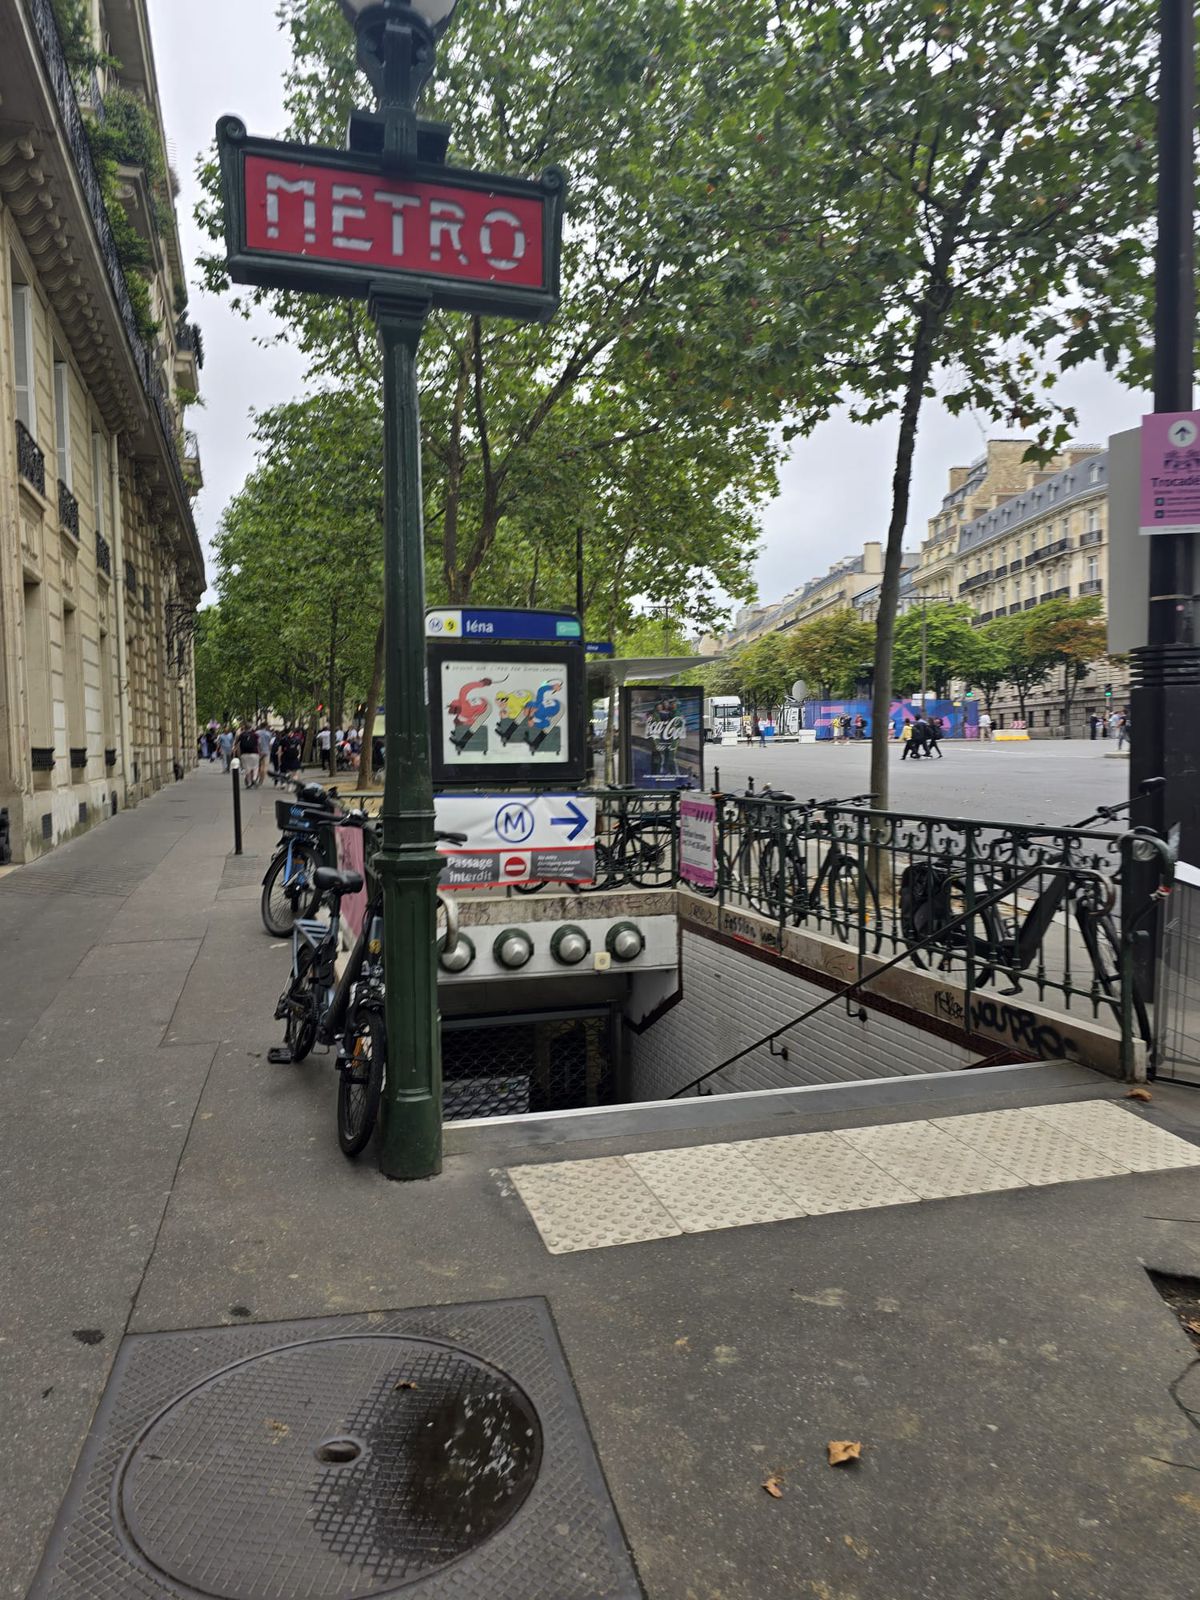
(501, 623)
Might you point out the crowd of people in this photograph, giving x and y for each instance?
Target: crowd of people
(278, 753)
(921, 736)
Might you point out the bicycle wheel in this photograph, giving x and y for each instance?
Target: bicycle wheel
(360, 1084)
(534, 886)
(285, 899)
(845, 906)
(648, 856)
(769, 884)
(300, 1030)
(1103, 944)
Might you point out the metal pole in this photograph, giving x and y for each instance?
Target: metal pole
(408, 863)
(579, 569)
(924, 658)
(235, 769)
(1165, 703)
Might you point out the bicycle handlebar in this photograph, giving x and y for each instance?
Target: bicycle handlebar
(1114, 813)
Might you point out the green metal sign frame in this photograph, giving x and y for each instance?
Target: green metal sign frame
(274, 269)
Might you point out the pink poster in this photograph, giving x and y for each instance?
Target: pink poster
(350, 859)
(1170, 498)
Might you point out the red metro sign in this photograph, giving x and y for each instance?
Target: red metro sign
(335, 222)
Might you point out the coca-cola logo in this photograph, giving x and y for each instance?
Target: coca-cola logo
(669, 730)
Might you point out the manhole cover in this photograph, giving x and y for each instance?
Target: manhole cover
(336, 1468)
(434, 1454)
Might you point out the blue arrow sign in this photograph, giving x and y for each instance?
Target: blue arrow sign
(577, 821)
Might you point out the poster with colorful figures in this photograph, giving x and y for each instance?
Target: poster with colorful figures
(504, 713)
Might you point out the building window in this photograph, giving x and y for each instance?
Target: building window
(23, 374)
(62, 419)
(99, 479)
(1094, 473)
(1093, 522)
(1091, 569)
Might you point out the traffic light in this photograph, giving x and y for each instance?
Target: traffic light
(1108, 691)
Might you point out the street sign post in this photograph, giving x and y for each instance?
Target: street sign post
(392, 226)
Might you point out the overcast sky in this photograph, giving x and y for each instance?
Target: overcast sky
(835, 490)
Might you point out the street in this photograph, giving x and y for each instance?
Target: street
(1054, 782)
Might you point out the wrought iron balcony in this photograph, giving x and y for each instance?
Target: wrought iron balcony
(188, 337)
(975, 582)
(1063, 593)
(1015, 566)
(59, 73)
(68, 510)
(103, 555)
(31, 463)
(1031, 602)
(79, 758)
(42, 757)
(1047, 552)
(1092, 536)
(1092, 586)
(1001, 571)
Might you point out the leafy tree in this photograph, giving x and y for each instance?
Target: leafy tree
(299, 563)
(971, 174)
(764, 672)
(985, 664)
(1071, 635)
(1027, 663)
(950, 640)
(830, 651)
(621, 414)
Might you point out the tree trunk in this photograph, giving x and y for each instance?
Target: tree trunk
(889, 590)
(368, 730)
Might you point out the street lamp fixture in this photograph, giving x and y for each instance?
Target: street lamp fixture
(397, 44)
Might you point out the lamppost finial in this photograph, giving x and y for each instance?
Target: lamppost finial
(397, 45)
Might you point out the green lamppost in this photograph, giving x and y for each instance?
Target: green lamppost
(387, 221)
(397, 43)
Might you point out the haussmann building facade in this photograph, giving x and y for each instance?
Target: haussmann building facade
(100, 567)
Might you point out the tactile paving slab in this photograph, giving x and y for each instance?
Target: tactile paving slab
(429, 1453)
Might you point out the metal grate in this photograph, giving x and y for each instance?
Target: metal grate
(1177, 1009)
(440, 1451)
(504, 1066)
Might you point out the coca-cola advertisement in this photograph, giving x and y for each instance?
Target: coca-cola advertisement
(663, 734)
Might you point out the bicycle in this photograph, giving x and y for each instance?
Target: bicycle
(772, 865)
(640, 851)
(932, 895)
(318, 1007)
(287, 886)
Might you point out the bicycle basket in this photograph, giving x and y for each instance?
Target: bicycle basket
(291, 817)
(924, 900)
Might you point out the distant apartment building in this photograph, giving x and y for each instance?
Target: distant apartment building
(100, 566)
(835, 590)
(1047, 542)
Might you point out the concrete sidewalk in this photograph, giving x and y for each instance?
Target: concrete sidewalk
(1004, 1358)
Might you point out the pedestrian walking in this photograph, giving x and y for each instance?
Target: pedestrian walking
(248, 755)
(225, 746)
(1123, 732)
(265, 741)
(756, 730)
(860, 726)
(906, 740)
(935, 738)
(985, 725)
(920, 736)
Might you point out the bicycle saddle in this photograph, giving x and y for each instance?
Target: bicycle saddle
(328, 880)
